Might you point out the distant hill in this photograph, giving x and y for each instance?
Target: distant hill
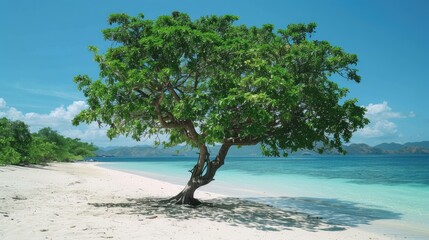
(424, 144)
(147, 151)
(352, 149)
(362, 149)
(142, 151)
(389, 146)
(407, 148)
(413, 150)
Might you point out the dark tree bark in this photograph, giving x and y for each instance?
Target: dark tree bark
(202, 173)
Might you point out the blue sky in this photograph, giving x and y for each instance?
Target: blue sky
(43, 45)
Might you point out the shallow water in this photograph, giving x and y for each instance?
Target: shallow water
(344, 190)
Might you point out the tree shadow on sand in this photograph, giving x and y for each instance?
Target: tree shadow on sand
(332, 211)
(310, 214)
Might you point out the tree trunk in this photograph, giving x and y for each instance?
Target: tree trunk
(202, 174)
(186, 196)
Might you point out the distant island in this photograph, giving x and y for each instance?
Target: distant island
(352, 149)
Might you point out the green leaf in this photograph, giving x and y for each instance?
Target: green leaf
(226, 82)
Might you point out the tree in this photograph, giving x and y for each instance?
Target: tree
(22, 138)
(8, 155)
(15, 142)
(19, 146)
(208, 81)
(58, 144)
(79, 150)
(60, 148)
(42, 151)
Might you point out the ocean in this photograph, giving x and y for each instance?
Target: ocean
(347, 191)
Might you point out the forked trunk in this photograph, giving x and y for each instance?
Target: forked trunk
(186, 196)
(202, 173)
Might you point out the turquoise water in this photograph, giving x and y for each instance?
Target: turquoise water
(345, 190)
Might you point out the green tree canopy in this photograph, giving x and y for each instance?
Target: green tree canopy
(15, 140)
(60, 148)
(209, 81)
(19, 146)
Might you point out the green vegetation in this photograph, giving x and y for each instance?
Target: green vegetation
(19, 146)
(208, 81)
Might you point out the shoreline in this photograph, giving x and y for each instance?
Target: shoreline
(85, 201)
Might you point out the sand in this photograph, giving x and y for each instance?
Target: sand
(84, 201)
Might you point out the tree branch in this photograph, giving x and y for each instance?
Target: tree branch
(173, 123)
(141, 92)
(241, 142)
(172, 92)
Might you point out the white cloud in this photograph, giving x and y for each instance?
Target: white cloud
(382, 124)
(381, 111)
(69, 112)
(2, 103)
(380, 128)
(60, 119)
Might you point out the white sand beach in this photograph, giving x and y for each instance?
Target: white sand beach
(83, 201)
